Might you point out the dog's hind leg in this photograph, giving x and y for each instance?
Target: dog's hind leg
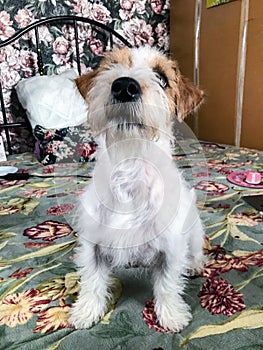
(92, 302)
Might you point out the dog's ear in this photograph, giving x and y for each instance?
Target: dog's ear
(84, 83)
(188, 97)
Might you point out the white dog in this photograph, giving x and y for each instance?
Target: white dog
(138, 210)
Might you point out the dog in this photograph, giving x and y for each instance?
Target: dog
(138, 210)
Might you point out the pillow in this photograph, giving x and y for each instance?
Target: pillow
(66, 145)
(54, 101)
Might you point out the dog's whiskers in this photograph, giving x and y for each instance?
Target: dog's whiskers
(123, 126)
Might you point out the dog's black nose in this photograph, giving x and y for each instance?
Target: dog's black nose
(125, 89)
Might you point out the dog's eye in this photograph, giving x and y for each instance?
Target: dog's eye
(162, 79)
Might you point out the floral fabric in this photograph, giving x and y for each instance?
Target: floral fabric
(38, 281)
(72, 144)
(142, 22)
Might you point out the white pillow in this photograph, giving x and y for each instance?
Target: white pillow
(53, 101)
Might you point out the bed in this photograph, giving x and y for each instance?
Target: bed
(38, 280)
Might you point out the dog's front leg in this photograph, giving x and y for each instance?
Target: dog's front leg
(91, 304)
(171, 310)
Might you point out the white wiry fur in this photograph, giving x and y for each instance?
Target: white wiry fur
(138, 209)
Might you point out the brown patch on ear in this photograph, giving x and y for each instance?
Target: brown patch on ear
(183, 96)
(85, 82)
(188, 97)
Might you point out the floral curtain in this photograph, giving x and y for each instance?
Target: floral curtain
(140, 21)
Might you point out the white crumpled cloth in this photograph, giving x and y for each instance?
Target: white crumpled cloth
(52, 101)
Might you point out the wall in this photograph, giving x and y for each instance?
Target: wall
(226, 59)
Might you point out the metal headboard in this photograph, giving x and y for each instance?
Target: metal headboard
(71, 20)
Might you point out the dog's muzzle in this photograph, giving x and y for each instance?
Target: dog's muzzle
(125, 89)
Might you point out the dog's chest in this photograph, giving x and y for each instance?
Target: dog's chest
(131, 194)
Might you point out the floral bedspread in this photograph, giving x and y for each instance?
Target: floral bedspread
(38, 281)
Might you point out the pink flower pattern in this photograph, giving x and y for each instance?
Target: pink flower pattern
(6, 29)
(138, 32)
(60, 209)
(21, 274)
(48, 230)
(220, 297)
(130, 7)
(157, 6)
(224, 263)
(212, 187)
(52, 319)
(38, 245)
(150, 318)
(61, 45)
(24, 17)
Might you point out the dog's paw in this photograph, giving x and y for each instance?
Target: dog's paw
(173, 316)
(85, 313)
(80, 320)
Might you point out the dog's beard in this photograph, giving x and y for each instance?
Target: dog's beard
(125, 115)
(130, 120)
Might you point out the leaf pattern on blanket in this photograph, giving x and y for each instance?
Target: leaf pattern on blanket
(18, 205)
(248, 319)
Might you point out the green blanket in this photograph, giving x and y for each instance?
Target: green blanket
(38, 281)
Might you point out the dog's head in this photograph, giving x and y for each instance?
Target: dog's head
(137, 89)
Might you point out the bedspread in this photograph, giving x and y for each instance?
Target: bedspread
(38, 281)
